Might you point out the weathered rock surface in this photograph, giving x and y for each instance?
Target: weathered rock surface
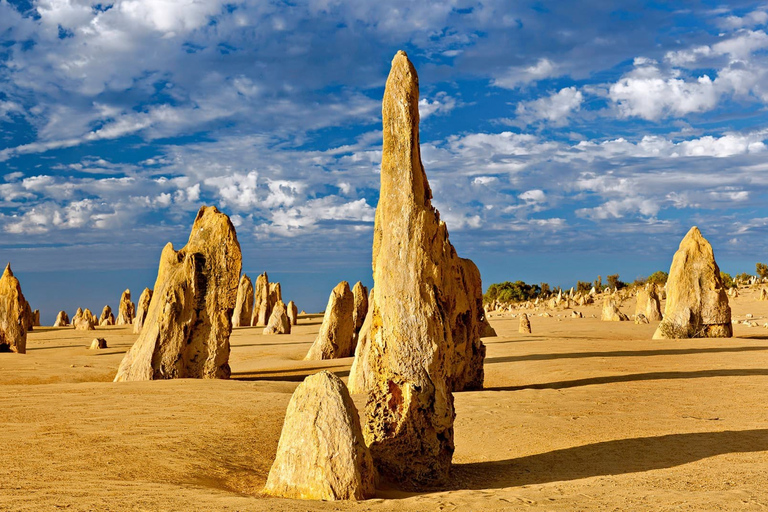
(106, 318)
(640, 319)
(360, 372)
(98, 343)
(611, 312)
(261, 307)
(648, 303)
(487, 331)
(62, 319)
(275, 293)
(29, 316)
(241, 317)
(36, 318)
(321, 454)
(427, 309)
(186, 332)
(84, 320)
(763, 294)
(293, 313)
(525, 324)
(360, 293)
(278, 323)
(697, 303)
(141, 310)
(126, 310)
(13, 320)
(336, 336)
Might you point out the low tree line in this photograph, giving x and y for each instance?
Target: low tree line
(520, 291)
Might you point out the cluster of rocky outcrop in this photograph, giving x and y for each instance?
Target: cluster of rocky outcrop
(266, 296)
(262, 304)
(126, 309)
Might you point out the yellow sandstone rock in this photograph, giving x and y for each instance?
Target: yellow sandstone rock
(427, 309)
(13, 321)
(525, 324)
(360, 293)
(126, 310)
(293, 313)
(141, 310)
(244, 303)
(62, 319)
(186, 332)
(648, 303)
(321, 454)
(611, 311)
(359, 373)
(697, 302)
(336, 335)
(278, 323)
(106, 318)
(84, 320)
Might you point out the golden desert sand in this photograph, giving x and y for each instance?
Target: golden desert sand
(580, 415)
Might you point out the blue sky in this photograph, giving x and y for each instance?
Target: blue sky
(562, 140)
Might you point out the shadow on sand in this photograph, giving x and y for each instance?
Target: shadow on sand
(292, 375)
(606, 458)
(623, 353)
(634, 377)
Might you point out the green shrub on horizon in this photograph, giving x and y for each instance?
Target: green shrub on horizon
(658, 277)
(507, 291)
(613, 282)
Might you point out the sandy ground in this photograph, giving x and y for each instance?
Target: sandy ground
(580, 415)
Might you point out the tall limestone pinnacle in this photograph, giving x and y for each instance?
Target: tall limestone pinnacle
(427, 310)
(186, 330)
(13, 327)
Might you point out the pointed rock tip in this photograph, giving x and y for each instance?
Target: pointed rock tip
(401, 60)
(400, 56)
(693, 233)
(8, 271)
(205, 209)
(403, 70)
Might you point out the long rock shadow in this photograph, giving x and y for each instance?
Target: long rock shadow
(534, 337)
(52, 347)
(606, 458)
(634, 377)
(292, 375)
(309, 342)
(622, 353)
